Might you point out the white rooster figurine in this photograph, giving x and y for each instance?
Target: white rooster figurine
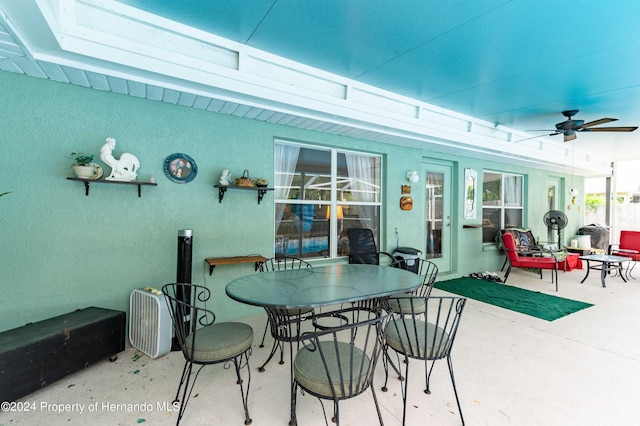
(125, 169)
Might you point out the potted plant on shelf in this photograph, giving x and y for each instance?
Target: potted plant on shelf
(84, 167)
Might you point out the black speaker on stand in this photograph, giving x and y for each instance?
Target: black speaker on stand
(183, 275)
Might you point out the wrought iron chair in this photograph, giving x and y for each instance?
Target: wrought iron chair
(430, 339)
(429, 272)
(288, 322)
(516, 259)
(363, 249)
(204, 342)
(336, 364)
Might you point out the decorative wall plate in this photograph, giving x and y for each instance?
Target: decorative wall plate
(180, 168)
(406, 203)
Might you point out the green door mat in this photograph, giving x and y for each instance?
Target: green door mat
(526, 302)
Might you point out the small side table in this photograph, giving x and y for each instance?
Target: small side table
(606, 263)
(234, 260)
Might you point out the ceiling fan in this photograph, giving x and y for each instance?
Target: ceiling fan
(569, 127)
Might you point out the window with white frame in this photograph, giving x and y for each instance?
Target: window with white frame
(319, 193)
(502, 203)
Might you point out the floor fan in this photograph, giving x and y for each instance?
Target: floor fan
(555, 220)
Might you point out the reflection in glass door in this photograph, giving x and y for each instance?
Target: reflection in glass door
(434, 215)
(438, 216)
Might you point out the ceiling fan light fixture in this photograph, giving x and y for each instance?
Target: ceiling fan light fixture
(570, 127)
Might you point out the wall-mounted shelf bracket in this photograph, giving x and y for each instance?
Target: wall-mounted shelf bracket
(222, 189)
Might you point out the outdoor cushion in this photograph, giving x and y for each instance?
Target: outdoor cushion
(310, 372)
(534, 262)
(220, 341)
(523, 239)
(401, 303)
(408, 336)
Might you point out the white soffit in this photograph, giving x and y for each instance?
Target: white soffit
(132, 47)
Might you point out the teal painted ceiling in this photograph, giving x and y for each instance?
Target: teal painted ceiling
(517, 63)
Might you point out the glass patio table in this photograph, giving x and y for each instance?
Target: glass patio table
(321, 286)
(298, 289)
(605, 263)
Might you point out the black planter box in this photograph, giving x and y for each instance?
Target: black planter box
(38, 354)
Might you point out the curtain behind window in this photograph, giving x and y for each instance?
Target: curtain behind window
(361, 172)
(512, 191)
(286, 158)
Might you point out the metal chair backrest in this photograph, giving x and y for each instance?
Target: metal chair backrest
(281, 263)
(187, 305)
(428, 271)
(430, 338)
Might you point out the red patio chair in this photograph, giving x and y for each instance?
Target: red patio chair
(629, 246)
(517, 259)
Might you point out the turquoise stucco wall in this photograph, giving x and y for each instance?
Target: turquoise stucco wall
(61, 250)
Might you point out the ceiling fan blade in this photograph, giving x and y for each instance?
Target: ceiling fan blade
(610, 129)
(569, 137)
(539, 136)
(596, 122)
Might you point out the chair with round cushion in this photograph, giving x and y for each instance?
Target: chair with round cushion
(205, 342)
(429, 339)
(338, 363)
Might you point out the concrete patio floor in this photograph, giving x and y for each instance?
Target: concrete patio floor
(511, 369)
